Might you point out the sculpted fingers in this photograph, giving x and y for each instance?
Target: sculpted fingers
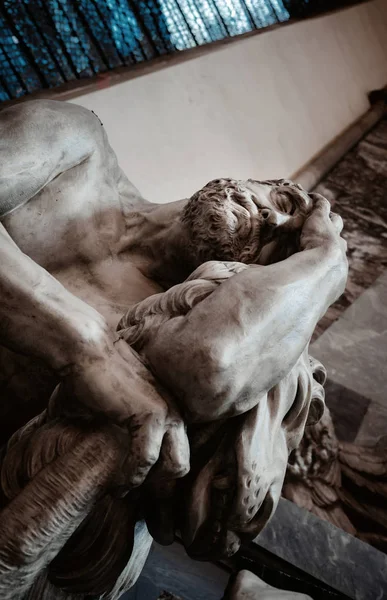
(323, 208)
(337, 222)
(124, 392)
(320, 205)
(322, 227)
(158, 447)
(174, 456)
(146, 434)
(338, 225)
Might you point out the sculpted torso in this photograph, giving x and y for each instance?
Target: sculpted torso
(215, 299)
(76, 227)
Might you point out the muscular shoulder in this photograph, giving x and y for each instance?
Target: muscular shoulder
(40, 140)
(49, 121)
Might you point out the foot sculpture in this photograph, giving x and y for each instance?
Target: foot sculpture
(247, 586)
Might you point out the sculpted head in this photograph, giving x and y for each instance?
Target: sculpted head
(239, 220)
(238, 466)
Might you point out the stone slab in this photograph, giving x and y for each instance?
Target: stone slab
(327, 553)
(354, 349)
(170, 569)
(348, 410)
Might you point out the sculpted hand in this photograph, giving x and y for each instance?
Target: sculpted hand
(117, 386)
(322, 227)
(321, 234)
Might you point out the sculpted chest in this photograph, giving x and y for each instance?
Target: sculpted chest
(77, 216)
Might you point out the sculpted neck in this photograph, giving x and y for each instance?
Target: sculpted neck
(157, 241)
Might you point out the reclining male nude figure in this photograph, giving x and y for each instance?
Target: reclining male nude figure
(79, 246)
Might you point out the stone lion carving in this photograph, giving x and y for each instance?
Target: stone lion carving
(179, 415)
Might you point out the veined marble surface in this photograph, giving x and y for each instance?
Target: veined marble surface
(351, 340)
(326, 552)
(354, 349)
(357, 189)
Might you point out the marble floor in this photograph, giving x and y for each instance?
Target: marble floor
(354, 352)
(351, 340)
(357, 189)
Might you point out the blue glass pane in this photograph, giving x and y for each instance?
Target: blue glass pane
(45, 43)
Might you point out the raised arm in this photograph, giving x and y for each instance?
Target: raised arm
(246, 336)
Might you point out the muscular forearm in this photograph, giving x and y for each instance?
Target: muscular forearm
(244, 338)
(38, 316)
(287, 297)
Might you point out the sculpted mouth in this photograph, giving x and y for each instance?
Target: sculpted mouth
(216, 539)
(250, 530)
(207, 526)
(200, 508)
(207, 535)
(228, 497)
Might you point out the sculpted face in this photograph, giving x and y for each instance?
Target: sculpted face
(247, 221)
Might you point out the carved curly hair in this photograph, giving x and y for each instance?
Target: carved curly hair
(217, 228)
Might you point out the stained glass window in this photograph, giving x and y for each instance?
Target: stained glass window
(45, 43)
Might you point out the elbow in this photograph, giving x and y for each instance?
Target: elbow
(213, 391)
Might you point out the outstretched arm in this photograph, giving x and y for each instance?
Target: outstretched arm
(246, 336)
(40, 318)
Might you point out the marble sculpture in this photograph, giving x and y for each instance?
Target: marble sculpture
(154, 366)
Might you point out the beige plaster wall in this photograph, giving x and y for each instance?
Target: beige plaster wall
(259, 107)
